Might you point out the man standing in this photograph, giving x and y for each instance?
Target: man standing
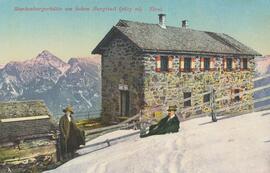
(71, 137)
(169, 124)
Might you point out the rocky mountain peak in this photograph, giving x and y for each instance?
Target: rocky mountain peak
(46, 55)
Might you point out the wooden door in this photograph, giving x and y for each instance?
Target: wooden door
(124, 103)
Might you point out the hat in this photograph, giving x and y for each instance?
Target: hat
(172, 108)
(68, 109)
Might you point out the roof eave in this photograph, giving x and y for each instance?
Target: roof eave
(196, 52)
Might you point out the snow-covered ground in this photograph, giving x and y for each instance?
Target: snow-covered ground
(232, 145)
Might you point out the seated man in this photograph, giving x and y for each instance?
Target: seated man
(169, 124)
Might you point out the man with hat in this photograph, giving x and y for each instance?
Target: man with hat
(169, 124)
(71, 137)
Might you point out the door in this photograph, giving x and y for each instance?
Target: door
(124, 103)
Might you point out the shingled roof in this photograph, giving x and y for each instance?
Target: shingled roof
(153, 38)
(23, 120)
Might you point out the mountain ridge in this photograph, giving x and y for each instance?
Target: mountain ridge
(53, 80)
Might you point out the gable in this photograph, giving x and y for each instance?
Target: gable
(112, 34)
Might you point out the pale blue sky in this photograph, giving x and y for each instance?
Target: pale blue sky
(71, 34)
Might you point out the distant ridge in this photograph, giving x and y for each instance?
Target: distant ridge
(55, 81)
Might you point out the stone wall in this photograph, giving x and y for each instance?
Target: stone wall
(122, 63)
(166, 88)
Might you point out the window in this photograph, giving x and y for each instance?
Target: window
(237, 97)
(245, 63)
(187, 64)
(206, 98)
(229, 64)
(206, 63)
(164, 63)
(187, 95)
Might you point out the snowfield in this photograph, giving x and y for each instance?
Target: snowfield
(232, 145)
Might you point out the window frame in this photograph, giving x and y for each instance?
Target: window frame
(236, 98)
(187, 103)
(208, 60)
(229, 68)
(162, 67)
(245, 63)
(206, 98)
(187, 68)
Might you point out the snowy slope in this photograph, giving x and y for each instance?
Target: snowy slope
(262, 68)
(234, 145)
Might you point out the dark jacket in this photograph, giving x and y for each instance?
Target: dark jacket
(71, 137)
(164, 126)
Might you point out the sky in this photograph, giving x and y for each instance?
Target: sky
(67, 34)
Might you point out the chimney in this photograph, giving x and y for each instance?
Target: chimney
(184, 23)
(162, 20)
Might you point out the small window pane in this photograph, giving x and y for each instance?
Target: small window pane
(245, 63)
(229, 64)
(164, 63)
(187, 64)
(237, 98)
(187, 95)
(206, 98)
(207, 63)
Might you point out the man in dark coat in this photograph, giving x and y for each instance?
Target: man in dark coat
(71, 137)
(169, 124)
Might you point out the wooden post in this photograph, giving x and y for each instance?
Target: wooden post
(212, 105)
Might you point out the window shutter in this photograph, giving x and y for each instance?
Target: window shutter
(248, 65)
(234, 64)
(170, 63)
(241, 64)
(158, 63)
(212, 63)
(224, 64)
(202, 63)
(181, 63)
(193, 64)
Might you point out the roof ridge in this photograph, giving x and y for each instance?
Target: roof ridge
(168, 26)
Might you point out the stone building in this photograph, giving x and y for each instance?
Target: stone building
(27, 136)
(159, 65)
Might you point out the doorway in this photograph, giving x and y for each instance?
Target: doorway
(124, 103)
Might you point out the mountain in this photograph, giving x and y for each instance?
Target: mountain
(56, 82)
(262, 68)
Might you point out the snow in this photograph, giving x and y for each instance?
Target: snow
(89, 104)
(262, 64)
(2, 66)
(232, 145)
